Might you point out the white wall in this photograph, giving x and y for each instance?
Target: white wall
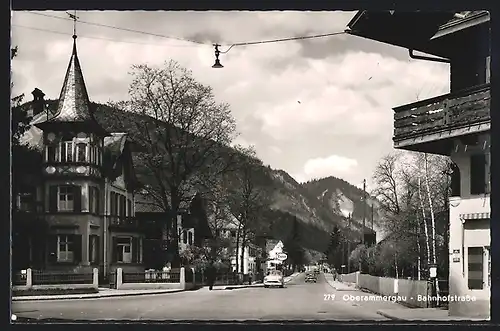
(464, 234)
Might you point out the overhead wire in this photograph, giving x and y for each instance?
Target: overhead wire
(118, 28)
(190, 40)
(101, 38)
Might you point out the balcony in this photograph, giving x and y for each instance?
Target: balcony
(428, 125)
(118, 223)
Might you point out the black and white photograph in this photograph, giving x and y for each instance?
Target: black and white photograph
(250, 166)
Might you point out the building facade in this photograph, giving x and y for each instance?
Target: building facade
(192, 228)
(84, 192)
(457, 125)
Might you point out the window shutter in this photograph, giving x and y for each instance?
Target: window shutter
(135, 250)
(77, 196)
(52, 248)
(77, 246)
(114, 250)
(53, 199)
(98, 250)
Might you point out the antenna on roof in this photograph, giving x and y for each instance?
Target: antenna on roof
(74, 18)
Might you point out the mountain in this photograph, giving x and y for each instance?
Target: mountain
(343, 198)
(317, 205)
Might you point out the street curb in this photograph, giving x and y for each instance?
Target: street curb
(381, 313)
(240, 287)
(25, 299)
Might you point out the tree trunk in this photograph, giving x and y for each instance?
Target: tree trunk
(242, 253)
(419, 252)
(424, 223)
(176, 261)
(433, 223)
(236, 253)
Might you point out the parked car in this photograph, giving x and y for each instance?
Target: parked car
(274, 278)
(311, 278)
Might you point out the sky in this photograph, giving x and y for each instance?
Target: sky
(314, 108)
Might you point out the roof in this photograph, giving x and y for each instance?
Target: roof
(412, 30)
(74, 103)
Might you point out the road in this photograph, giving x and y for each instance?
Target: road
(297, 301)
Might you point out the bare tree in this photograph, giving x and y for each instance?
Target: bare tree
(249, 200)
(182, 133)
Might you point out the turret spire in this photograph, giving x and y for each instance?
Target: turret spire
(74, 103)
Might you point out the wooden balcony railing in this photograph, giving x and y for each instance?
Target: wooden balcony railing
(444, 112)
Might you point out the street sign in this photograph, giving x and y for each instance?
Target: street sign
(281, 256)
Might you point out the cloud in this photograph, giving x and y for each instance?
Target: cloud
(325, 96)
(333, 165)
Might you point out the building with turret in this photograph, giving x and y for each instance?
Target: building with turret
(79, 212)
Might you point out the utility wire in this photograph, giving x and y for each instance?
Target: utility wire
(101, 38)
(189, 40)
(282, 40)
(118, 28)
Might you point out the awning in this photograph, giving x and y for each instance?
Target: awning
(475, 216)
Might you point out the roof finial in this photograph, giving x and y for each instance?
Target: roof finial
(74, 18)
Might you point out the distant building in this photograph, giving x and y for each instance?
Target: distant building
(456, 124)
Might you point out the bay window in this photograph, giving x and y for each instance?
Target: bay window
(65, 248)
(81, 152)
(66, 150)
(66, 198)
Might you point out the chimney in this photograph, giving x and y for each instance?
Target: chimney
(38, 102)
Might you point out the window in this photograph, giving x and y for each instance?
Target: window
(233, 233)
(65, 248)
(65, 201)
(478, 174)
(129, 207)
(475, 268)
(190, 238)
(67, 151)
(184, 236)
(455, 180)
(26, 201)
(94, 249)
(124, 250)
(51, 153)
(93, 199)
(81, 152)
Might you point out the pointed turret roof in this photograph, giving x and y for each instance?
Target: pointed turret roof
(74, 105)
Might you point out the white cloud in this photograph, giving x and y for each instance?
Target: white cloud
(331, 165)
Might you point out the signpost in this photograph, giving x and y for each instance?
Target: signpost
(281, 256)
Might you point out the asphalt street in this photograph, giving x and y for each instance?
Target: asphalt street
(297, 301)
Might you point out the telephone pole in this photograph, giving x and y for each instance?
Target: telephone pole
(349, 245)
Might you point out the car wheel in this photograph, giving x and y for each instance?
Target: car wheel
(282, 286)
(266, 286)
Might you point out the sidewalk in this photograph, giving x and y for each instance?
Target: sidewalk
(292, 276)
(337, 285)
(103, 293)
(422, 314)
